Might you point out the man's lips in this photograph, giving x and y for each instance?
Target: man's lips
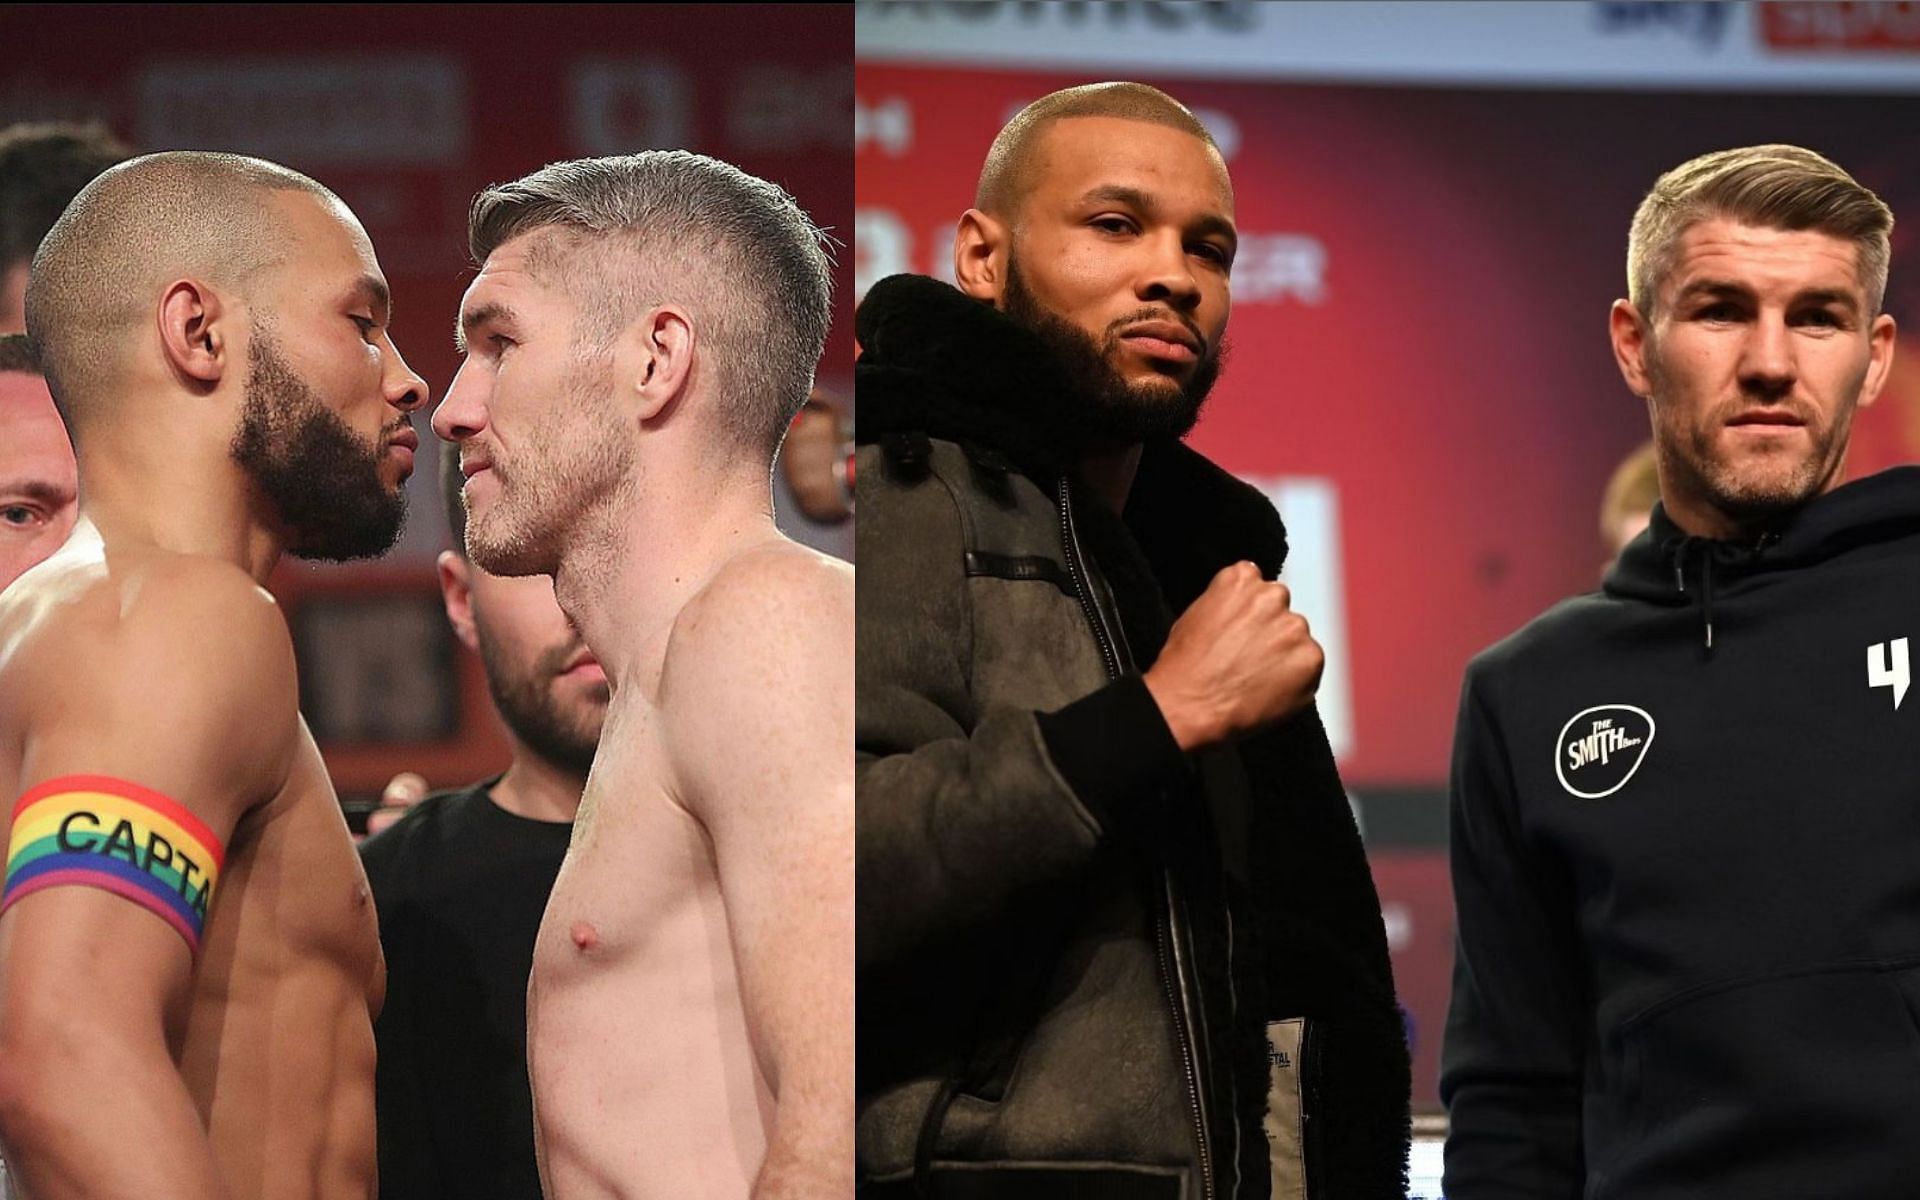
(1776, 418)
(469, 467)
(583, 664)
(1163, 339)
(406, 441)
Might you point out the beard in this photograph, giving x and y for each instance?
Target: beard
(564, 735)
(320, 477)
(544, 500)
(1105, 405)
(1757, 488)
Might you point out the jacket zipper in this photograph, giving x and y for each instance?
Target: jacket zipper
(1167, 947)
(1163, 928)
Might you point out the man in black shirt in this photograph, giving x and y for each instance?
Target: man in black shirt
(460, 883)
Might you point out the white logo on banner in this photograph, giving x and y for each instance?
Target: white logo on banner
(886, 126)
(1310, 507)
(882, 246)
(1275, 267)
(1224, 129)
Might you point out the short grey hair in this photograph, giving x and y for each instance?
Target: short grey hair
(1773, 187)
(750, 267)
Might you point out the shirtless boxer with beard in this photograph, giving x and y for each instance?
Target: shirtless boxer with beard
(639, 337)
(188, 957)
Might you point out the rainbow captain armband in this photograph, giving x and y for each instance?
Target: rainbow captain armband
(94, 831)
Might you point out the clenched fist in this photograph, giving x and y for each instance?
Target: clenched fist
(1238, 659)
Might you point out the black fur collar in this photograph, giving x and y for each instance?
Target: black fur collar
(937, 363)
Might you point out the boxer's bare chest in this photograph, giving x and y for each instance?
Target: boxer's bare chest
(638, 858)
(294, 900)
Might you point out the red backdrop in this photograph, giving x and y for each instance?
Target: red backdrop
(1420, 326)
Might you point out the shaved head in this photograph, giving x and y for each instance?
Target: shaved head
(1008, 174)
(131, 232)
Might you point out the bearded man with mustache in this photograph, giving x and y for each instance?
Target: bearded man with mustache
(1117, 935)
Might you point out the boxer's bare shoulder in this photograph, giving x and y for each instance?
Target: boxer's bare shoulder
(756, 698)
(154, 931)
(151, 650)
(763, 650)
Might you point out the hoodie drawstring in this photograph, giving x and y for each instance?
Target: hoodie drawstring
(1706, 596)
(1680, 551)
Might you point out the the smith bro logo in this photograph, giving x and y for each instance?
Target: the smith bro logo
(1601, 748)
(1889, 670)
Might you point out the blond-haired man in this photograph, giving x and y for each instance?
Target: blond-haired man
(640, 335)
(1683, 807)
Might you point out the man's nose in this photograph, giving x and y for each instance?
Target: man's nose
(1766, 357)
(463, 411)
(1167, 274)
(404, 388)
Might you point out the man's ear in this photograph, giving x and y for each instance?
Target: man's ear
(456, 592)
(653, 362)
(1628, 331)
(1880, 342)
(196, 332)
(980, 256)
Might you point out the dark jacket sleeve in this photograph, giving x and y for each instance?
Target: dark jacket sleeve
(959, 811)
(1512, 1066)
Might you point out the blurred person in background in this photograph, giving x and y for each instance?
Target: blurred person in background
(1118, 936)
(460, 883)
(39, 485)
(1683, 807)
(642, 331)
(43, 165)
(1627, 505)
(814, 459)
(189, 958)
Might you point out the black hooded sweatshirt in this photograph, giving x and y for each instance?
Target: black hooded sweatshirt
(1686, 861)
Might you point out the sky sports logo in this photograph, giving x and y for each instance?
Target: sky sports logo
(1785, 26)
(1871, 27)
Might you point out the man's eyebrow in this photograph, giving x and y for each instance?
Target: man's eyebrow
(1837, 296)
(1115, 193)
(472, 318)
(375, 289)
(1728, 289)
(46, 493)
(1714, 287)
(1212, 224)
